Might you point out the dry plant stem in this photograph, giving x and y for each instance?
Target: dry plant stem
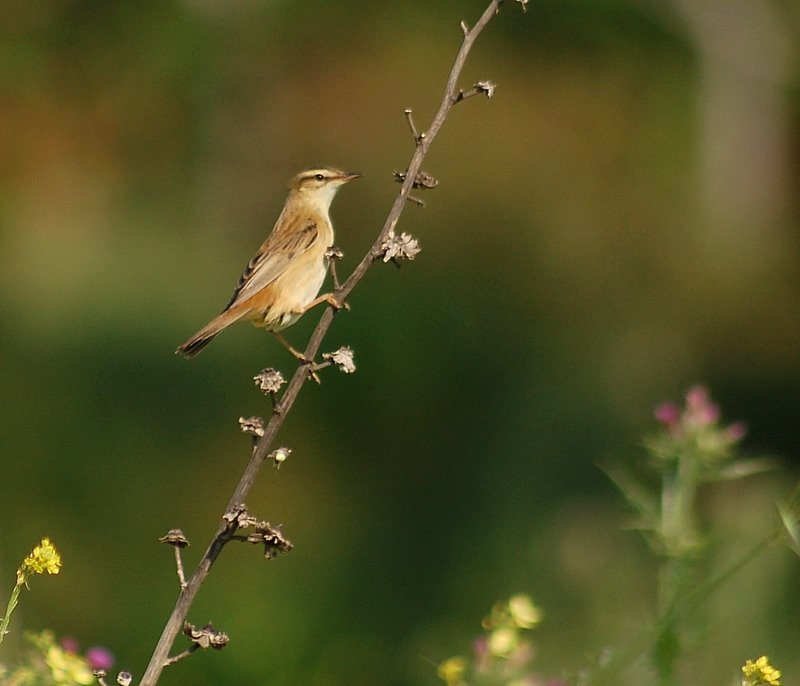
(226, 530)
(179, 566)
(181, 656)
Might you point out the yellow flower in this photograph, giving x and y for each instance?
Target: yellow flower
(44, 558)
(68, 668)
(518, 612)
(503, 641)
(760, 673)
(452, 670)
(523, 612)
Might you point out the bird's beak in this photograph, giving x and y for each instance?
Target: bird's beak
(350, 176)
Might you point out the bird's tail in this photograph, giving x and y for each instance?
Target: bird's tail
(203, 337)
(195, 344)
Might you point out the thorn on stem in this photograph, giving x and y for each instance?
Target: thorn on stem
(312, 373)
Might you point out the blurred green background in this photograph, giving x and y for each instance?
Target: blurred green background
(620, 221)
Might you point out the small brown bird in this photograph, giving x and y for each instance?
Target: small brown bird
(283, 279)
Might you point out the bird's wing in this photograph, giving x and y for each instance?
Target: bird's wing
(275, 255)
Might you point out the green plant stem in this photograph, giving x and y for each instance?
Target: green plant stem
(679, 536)
(609, 672)
(12, 604)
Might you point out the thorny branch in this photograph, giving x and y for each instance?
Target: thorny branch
(265, 435)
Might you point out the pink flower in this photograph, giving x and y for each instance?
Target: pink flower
(736, 431)
(70, 644)
(696, 397)
(99, 657)
(667, 414)
(699, 408)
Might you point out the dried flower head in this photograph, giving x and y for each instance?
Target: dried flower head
(342, 358)
(206, 636)
(235, 513)
(175, 537)
(486, 87)
(423, 180)
(252, 425)
(402, 247)
(271, 537)
(279, 456)
(269, 380)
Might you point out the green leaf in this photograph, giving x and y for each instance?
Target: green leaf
(791, 526)
(644, 502)
(743, 468)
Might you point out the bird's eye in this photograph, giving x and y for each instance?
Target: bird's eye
(319, 177)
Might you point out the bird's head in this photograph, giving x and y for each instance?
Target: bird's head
(319, 185)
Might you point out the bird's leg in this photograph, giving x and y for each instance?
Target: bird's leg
(300, 357)
(329, 298)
